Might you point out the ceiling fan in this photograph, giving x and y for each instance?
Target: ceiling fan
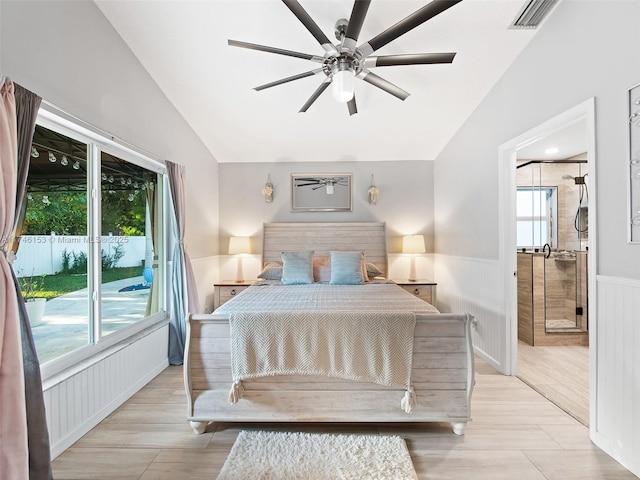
(318, 182)
(343, 62)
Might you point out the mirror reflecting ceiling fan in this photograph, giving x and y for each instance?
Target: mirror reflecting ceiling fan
(343, 62)
(318, 182)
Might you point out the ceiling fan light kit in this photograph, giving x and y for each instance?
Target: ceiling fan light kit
(343, 62)
(342, 85)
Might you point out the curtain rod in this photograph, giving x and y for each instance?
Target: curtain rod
(60, 112)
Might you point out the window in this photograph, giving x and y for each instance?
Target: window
(91, 242)
(536, 213)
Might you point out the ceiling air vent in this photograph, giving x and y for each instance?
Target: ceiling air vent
(533, 13)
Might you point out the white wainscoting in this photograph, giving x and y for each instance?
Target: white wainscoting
(616, 425)
(476, 286)
(76, 401)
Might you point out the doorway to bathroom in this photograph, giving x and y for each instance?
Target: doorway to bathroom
(547, 185)
(552, 232)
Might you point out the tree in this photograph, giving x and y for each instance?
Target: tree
(62, 212)
(65, 213)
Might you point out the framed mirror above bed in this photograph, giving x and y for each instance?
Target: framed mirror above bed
(321, 192)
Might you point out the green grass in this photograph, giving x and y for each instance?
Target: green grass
(59, 284)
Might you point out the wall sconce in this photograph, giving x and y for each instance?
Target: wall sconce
(239, 246)
(373, 192)
(413, 244)
(267, 190)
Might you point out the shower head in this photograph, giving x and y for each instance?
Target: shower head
(577, 180)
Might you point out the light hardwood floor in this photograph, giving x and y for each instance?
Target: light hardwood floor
(559, 373)
(515, 434)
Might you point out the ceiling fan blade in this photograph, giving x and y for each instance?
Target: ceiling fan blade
(323, 86)
(409, 23)
(310, 73)
(409, 59)
(279, 51)
(353, 109)
(310, 25)
(360, 8)
(383, 84)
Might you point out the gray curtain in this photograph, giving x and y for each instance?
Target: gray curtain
(184, 294)
(27, 105)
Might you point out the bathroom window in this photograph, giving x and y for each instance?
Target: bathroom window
(536, 212)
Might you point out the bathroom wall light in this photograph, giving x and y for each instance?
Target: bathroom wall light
(412, 245)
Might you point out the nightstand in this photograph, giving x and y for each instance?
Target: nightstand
(226, 290)
(423, 289)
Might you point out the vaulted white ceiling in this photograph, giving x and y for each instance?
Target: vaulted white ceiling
(183, 46)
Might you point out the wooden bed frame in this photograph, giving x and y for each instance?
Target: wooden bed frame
(442, 373)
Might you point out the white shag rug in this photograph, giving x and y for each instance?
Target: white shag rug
(258, 455)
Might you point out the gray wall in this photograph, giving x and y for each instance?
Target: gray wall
(405, 201)
(585, 49)
(69, 54)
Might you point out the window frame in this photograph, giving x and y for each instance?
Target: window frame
(550, 214)
(54, 119)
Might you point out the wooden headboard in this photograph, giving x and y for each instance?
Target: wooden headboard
(369, 237)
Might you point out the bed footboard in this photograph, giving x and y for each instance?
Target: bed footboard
(442, 375)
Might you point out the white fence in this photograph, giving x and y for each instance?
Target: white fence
(42, 254)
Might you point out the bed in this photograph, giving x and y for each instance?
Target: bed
(323, 352)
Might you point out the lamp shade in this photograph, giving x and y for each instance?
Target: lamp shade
(239, 245)
(413, 244)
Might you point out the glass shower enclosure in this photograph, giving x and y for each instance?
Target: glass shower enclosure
(552, 233)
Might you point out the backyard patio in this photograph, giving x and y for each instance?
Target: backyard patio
(65, 327)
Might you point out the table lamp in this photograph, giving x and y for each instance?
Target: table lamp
(412, 244)
(239, 246)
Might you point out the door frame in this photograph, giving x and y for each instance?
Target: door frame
(507, 154)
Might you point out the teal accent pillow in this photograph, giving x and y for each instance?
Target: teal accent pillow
(297, 268)
(346, 268)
